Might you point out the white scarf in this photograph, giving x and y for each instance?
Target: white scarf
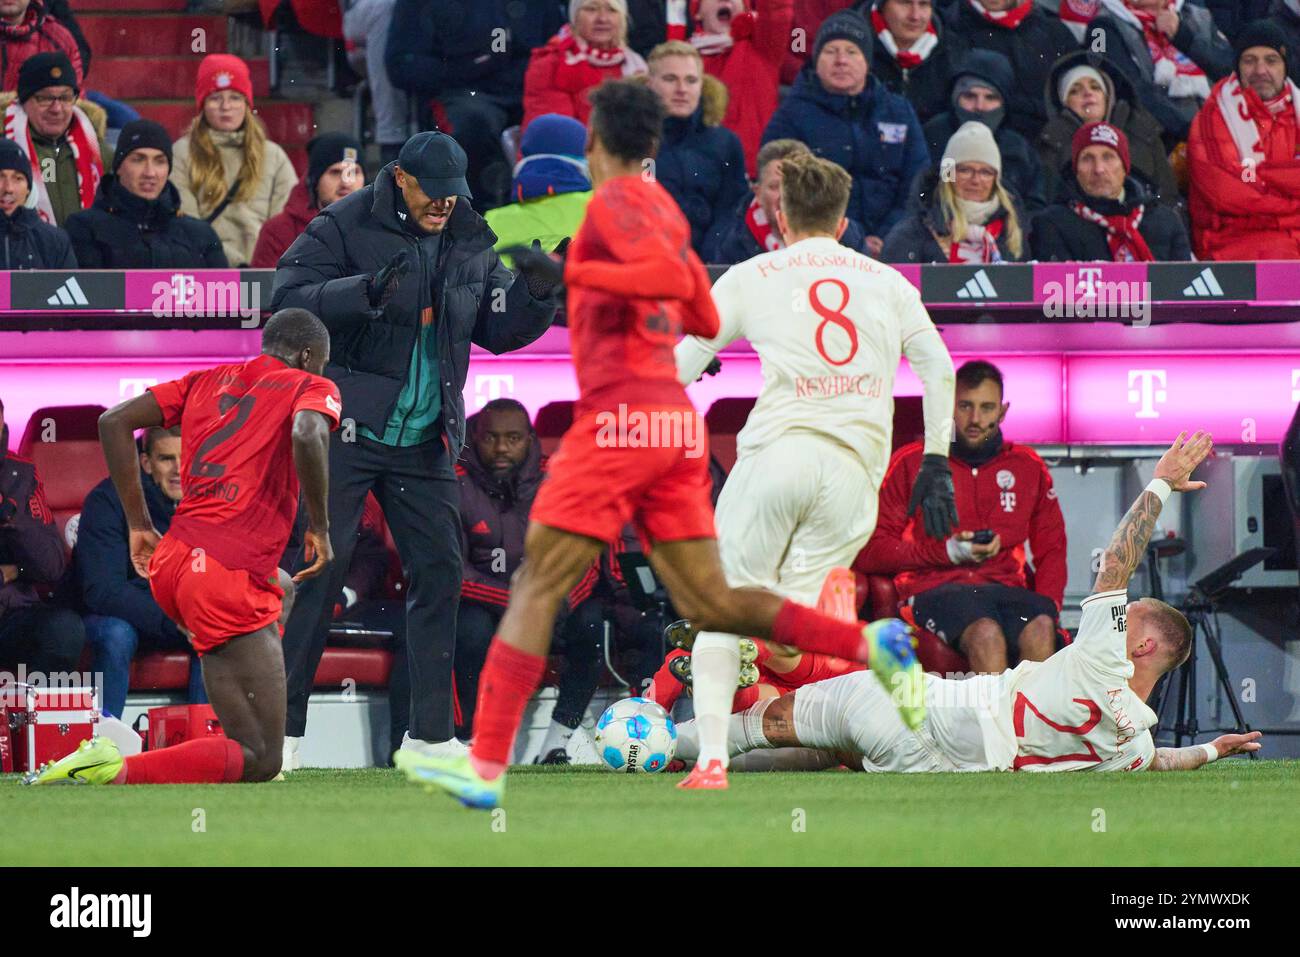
(923, 47)
(1168, 77)
(711, 44)
(81, 137)
(979, 213)
(1236, 116)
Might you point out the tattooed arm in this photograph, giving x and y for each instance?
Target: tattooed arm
(1129, 543)
(1189, 759)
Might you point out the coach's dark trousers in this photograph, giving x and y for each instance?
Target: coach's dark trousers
(416, 488)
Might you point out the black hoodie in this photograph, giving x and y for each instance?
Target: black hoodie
(1061, 235)
(123, 231)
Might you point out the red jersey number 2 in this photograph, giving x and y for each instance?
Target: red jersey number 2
(202, 468)
(1094, 718)
(833, 317)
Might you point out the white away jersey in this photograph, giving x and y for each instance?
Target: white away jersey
(829, 325)
(1074, 711)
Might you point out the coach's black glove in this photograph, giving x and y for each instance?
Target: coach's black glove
(934, 496)
(542, 271)
(713, 368)
(384, 283)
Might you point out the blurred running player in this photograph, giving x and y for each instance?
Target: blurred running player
(1083, 709)
(637, 451)
(252, 433)
(829, 325)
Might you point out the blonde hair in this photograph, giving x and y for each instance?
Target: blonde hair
(674, 48)
(620, 7)
(814, 193)
(958, 224)
(208, 175)
(778, 150)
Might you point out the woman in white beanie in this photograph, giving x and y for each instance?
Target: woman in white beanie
(589, 49)
(1084, 87)
(961, 213)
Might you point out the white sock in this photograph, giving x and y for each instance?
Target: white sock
(715, 669)
(557, 736)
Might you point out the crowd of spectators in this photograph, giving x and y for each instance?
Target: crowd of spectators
(975, 131)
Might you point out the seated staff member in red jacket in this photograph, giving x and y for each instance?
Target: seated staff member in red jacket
(333, 171)
(974, 595)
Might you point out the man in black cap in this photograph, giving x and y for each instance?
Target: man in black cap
(333, 171)
(27, 243)
(403, 274)
(135, 222)
(57, 136)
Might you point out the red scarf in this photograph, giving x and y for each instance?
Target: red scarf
(768, 238)
(82, 141)
(1007, 19)
(577, 50)
(906, 59)
(979, 246)
(1126, 243)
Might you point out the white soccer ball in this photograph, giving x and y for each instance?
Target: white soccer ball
(636, 735)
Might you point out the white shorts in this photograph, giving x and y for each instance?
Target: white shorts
(854, 713)
(791, 512)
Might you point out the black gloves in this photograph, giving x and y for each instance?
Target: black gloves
(933, 494)
(713, 368)
(543, 273)
(384, 283)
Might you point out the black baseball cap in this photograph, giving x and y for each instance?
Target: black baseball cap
(437, 162)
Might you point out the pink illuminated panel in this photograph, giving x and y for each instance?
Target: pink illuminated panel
(1151, 398)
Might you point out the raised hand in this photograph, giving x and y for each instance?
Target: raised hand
(1176, 465)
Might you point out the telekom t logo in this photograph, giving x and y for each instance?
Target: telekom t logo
(130, 388)
(1150, 390)
(183, 289)
(1085, 286)
(492, 386)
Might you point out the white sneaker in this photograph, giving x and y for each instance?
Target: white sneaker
(582, 750)
(451, 748)
(289, 760)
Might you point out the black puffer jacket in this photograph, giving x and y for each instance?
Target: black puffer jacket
(913, 239)
(493, 519)
(31, 540)
(328, 271)
(123, 231)
(1145, 136)
(1061, 235)
(703, 167)
(28, 243)
(1032, 48)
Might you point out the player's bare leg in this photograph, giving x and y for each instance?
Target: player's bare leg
(1038, 639)
(985, 646)
(244, 679)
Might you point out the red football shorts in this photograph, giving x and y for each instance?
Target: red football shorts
(210, 601)
(648, 465)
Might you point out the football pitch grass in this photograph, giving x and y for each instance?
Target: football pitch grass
(1234, 813)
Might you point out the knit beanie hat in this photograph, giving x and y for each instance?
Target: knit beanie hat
(553, 158)
(12, 157)
(222, 71)
(52, 68)
(1073, 76)
(1261, 33)
(324, 151)
(1100, 134)
(973, 143)
(845, 25)
(142, 134)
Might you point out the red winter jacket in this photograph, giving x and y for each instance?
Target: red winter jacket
(38, 33)
(1241, 211)
(1011, 494)
(808, 17)
(751, 70)
(279, 232)
(553, 86)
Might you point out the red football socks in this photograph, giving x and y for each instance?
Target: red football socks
(809, 630)
(201, 761)
(664, 688)
(508, 680)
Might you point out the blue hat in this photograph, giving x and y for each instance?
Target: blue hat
(437, 162)
(553, 161)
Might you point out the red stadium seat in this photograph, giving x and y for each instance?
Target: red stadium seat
(71, 463)
(170, 670)
(725, 418)
(553, 420)
(934, 652)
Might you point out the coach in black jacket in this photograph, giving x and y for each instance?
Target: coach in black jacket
(403, 274)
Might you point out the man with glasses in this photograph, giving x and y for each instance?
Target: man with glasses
(67, 155)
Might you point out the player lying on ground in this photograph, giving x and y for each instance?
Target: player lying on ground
(634, 286)
(251, 433)
(1084, 708)
(829, 326)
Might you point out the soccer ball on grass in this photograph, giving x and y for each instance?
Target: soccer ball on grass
(636, 735)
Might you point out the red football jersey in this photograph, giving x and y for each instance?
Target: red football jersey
(635, 288)
(237, 474)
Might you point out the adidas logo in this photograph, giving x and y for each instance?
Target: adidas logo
(1204, 285)
(69, 294)
(977, 287)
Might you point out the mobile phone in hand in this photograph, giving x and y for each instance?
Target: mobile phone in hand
(983, 537)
